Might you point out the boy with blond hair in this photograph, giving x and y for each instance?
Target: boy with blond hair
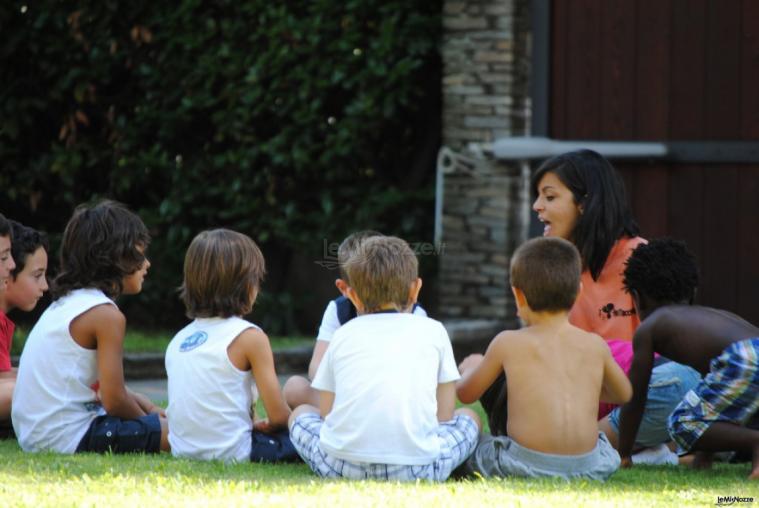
(555, 373)
(339, 311)
(386, 383)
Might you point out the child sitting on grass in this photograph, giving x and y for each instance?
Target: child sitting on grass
(26, 285)
(555, 372)
(211, 363)
(339, 311)
(7, 374)
(712, 417)
(386, 383)
(79, 339)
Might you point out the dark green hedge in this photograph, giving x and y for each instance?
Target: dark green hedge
(291, 121)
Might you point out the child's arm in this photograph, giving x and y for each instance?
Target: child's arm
(107, 325)
(477, 376)
(615, 388)
(259, 354)
(319, 349)
(146, 404)
(446, 401)
(631, 413)
(326, 400)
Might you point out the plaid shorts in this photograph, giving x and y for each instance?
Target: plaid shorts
(728, 393)
(458, 438)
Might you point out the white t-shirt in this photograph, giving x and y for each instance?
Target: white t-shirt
(53, 402)
(330, 322)
(384, 370)
(209, 398)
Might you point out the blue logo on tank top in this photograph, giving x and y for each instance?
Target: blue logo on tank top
(193, 341)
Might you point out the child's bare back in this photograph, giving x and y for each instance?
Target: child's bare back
(556, 374)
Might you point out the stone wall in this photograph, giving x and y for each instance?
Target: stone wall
(485, 212)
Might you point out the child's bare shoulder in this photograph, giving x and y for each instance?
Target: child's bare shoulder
(102, 315)
(589, 340)
(253, 338)
(510, 340)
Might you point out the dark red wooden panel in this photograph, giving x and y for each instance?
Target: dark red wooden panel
(720, 231)
(686, 116)
(652, 68)
(617, 72)
(748, 244)
(559, 18)
(750, 70)
(650, 199)
(685, 208)
(723, 60)
(583, 70)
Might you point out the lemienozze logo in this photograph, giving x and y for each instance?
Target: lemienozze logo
(731, 500)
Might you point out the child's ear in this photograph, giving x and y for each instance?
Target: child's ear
(351, 295)
(521, 300)
(413, 292)
(342, 286)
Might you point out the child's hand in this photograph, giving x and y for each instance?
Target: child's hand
(266, 427)
(470, 362)
(626, 462)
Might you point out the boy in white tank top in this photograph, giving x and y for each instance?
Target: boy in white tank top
(79, 340)
(211, 362)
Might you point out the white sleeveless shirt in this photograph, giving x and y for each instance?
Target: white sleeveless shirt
(53, 402)
(209, 398)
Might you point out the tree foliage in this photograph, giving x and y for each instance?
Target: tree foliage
(289, 121)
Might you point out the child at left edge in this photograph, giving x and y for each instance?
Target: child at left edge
(211, 363)
(7, 375)
(80, 338)
(26, 285)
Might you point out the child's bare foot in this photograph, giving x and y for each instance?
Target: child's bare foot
(702, 460)
(755, 465)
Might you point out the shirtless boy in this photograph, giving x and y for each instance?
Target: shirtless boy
(556, 373)
(723, 347)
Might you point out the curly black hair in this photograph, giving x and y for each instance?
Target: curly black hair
(101, 245)
(664, 270)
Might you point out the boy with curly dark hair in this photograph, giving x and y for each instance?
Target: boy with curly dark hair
(662, 277)
(79, 340)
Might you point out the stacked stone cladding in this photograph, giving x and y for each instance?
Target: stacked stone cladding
(485, 204)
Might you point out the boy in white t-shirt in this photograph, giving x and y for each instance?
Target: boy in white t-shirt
(387, 393)
(339, 311)
(212, 361)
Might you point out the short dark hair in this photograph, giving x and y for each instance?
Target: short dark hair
(663, 270)
(223, 270)
(597, 187)
(26, 241)
(101, 245)
(547, 270)
(5, 227)
(381, 272)
(349, 246)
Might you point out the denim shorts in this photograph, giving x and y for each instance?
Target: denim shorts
(668, 385)
(116, 435)
(272, 447)
(458, 438)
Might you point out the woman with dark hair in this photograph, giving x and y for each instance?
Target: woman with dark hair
(581, 198)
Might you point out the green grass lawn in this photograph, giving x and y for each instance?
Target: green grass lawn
(141, 341)
(138, 480)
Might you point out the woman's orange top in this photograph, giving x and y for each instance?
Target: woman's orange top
(603, 306)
